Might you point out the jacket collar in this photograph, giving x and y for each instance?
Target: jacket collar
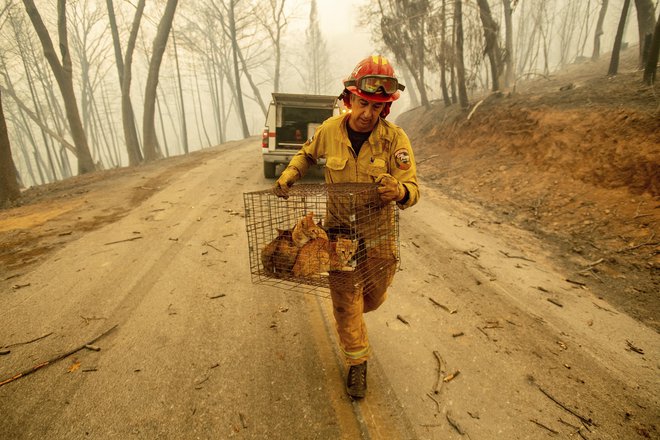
(380, 136)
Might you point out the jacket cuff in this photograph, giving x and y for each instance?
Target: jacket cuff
(405, 198)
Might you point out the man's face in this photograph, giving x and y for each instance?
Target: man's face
(364, 113)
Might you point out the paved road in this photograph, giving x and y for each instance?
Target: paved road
(199, 351)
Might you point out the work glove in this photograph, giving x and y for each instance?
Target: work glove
(288, 177)
(390, 189)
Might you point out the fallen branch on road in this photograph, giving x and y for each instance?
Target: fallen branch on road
(206, 243)
(473, 253)
(585, 420)
(632, 347)
(437, 404)
(28, 342)
(605, 308)
(442, 306)
(578, 283)
(441, 372)
(543, 426)
(122, 241)
(555, 302)
(482, 331)
(402, 319)
(506, 254)
(455, 424)
(55, 359)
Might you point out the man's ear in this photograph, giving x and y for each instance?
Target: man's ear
(346, 97)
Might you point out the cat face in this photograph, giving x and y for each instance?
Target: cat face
(306, 230)
(283, 233)
(345, 249)
(307, 222)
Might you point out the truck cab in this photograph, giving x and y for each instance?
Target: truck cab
(290, 121)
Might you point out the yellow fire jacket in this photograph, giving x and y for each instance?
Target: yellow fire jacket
(387, 150)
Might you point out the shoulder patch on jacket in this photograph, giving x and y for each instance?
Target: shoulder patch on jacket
(402, 159)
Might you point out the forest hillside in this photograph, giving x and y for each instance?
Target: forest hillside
(574, 157)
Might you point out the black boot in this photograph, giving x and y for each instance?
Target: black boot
(356, 382)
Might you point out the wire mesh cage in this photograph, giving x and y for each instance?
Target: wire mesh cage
(323, 235)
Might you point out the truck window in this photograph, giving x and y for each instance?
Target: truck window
(296, 123)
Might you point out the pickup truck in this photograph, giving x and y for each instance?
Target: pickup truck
(290, 121)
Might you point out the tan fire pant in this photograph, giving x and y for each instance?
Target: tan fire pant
(359, 292)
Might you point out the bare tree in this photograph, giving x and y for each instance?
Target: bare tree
(491, 37)
(509, 72)
(535, 26)
(652, 64)
(458, 49)
(34, 67)
(568, 26)
(201, 110)
(227, 18)
(22, 43)
(35, 118)
(599, 29)
(275, 21)
(585, 31)
(150, 142)
(63, 74)
(92, 49)
(403, 27)
(439, 49)
(201, 37)
(614, 61)
(124, 68)
(9, 189)
(184, 126)
(51, 110)
(247, 70)
(233, 36)
(317, 52)
(646, 25)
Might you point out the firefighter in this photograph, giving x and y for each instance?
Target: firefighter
(361, 146)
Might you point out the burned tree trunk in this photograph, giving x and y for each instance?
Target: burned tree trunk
(652, 63)
(599, 30)
(614, 61)
(9, 189)
(508, 60)
(151, 150)
(645, 24)
(443, 56)
(460, 62)
(124, 71)
(492, 47)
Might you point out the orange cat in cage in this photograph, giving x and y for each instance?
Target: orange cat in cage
(320, 256)
(279, 256)
(306, 230)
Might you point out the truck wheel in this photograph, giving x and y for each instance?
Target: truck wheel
(269, 170)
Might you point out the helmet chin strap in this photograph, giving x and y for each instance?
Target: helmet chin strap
(386, 110)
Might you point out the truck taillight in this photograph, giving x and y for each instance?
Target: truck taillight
(264, 138)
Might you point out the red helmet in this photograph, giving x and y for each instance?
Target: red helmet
(373, 78)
